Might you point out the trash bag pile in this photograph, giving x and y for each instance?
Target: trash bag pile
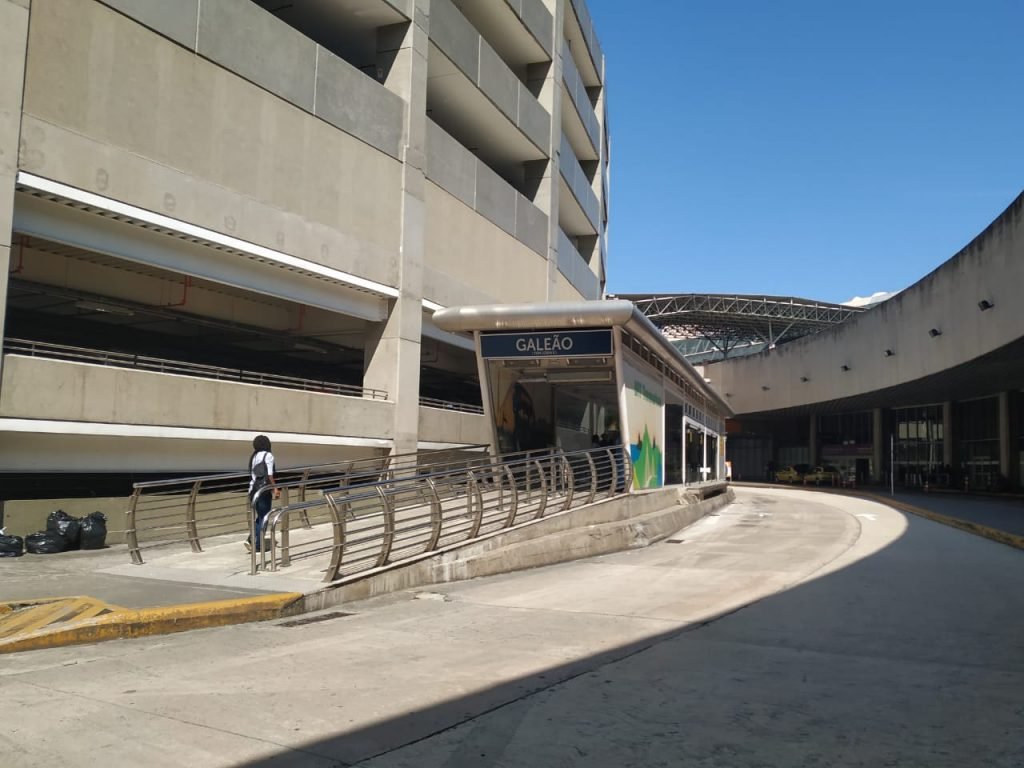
(11, 546)
(63, 532)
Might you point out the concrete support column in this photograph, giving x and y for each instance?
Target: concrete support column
(812, 442)
(544, 177)
(599, 263)
(13, 45)
(1006, 468)
(878, 440)
(393, 349)
(948, 455)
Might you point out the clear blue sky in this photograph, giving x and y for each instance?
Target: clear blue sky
(807, 147)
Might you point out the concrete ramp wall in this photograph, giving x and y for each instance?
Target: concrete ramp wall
(614, 525)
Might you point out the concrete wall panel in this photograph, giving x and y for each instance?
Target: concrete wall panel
(455, 36)
(348, 99)
(91, 393)
(533, 119)
(470, 260)
(176, 20)
(531, 226)
(495, 198)
(539, 21)
(497, 81)
(115, 109)
(241, 36)
(441, 426)
(451, 165)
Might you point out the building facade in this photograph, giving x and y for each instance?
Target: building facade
(234, 217)
(924, 389)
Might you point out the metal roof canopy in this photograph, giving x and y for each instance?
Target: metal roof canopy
(728, 320)
(571, 315)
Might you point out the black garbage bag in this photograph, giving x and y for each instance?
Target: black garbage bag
(12, 546)
(93, 531)
(44, 543)
(68, 527)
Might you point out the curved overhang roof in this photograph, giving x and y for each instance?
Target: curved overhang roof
(728, 320)
(956, 334)
(568, 315)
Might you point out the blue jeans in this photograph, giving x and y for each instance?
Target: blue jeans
(260, 509)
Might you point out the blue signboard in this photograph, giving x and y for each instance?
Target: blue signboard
(589, 343)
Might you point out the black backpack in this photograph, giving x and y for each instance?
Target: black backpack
(260, 475)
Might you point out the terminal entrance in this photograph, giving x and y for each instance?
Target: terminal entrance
(588, 376)
(552, 390)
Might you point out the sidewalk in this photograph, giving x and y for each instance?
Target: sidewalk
(1002, 514)
(996, 517)
(95, 573)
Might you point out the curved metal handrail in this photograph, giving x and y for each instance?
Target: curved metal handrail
(189, 509)
(497, 493)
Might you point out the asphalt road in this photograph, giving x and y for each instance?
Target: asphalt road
(793, 629)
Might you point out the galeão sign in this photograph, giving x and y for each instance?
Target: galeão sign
(589, 343)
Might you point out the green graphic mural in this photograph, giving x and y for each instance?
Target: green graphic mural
(645, 416)
(646, 457)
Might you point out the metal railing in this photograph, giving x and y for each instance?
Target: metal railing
(447, 405)
(366, 525)
(188, 510)
(182, 368)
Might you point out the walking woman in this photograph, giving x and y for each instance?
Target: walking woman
(261, 476)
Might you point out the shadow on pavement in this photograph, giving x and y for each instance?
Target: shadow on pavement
(910, 657)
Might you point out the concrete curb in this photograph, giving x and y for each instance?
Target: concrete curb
(144, 622)
(1009, 539)
(994, 534)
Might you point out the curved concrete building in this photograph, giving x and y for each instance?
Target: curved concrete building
(932, 376)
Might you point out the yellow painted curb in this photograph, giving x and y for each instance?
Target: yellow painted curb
(1010, 539)
(143, 622)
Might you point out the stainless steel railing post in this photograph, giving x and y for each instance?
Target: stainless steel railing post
(614, 485)
(337, 550)
(473, 493)
(190, 518)
(593, 478)
(131, 533)
(302, 497)
(251, 510)
(389, 527)
(513, 491)
(286, 558)
(436, 517)
(570, 482)
(543, 504)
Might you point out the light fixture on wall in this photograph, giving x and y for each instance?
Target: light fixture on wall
(804, 379)
(845, 367)
(934, 332)
(765, 387)
(889, 353)
(985, 304)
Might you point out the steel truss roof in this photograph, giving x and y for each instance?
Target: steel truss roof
(727, 321)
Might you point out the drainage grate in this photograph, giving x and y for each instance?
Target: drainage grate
(315, 619)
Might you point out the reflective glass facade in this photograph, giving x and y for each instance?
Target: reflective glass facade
(919, 439)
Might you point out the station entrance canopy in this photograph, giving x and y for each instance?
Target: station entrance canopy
(575, 375)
